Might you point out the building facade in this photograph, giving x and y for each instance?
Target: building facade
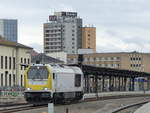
(89, 38)
(63, 32)
(12, 55)
(125, 60)
(9, 29)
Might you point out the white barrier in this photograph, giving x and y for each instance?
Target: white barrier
(50, 108)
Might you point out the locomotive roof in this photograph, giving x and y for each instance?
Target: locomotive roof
(61, 68)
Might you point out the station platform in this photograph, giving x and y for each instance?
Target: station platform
(119, 93)
(144, 109)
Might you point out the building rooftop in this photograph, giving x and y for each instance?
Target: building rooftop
(100, 53)
(13, 44)
(44, 59)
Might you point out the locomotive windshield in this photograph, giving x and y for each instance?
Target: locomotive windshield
(38, 72)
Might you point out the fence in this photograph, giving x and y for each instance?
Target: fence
(11, 91)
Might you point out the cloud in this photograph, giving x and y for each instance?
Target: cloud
(122, 25)
(37, 47)
(123, 40)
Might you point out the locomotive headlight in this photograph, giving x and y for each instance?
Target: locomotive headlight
(29, 89)
(46, 88)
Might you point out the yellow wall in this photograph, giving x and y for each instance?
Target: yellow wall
(89, 38)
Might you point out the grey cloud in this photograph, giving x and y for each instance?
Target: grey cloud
(132, 41)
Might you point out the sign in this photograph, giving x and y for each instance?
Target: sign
(52, 18)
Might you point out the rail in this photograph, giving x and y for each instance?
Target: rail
(20, 108)
(120, 109)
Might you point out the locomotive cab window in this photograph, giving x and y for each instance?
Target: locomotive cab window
(38, 72)
(77, 80)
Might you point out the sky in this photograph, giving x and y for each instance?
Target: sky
(121, 25)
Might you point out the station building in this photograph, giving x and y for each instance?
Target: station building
(12, 55)
(135, 61)
(120, 60)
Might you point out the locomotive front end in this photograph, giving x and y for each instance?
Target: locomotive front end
(38, 84)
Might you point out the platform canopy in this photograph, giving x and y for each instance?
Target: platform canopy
(101, 71)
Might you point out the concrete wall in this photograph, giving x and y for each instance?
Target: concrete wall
(14, 73)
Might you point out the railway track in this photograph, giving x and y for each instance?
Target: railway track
(12, 104)
(24, 106)
(20, 108)
(129, 108)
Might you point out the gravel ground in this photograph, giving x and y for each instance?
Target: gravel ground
(102, 106)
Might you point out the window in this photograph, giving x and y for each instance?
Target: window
(118, 65)
(47, 31)
(25, 61)
(77, 80)
(47, 35)
(14, 63)
(28, 61)
(1, 62)
(21, 67)
(9, 62)
(5, 79)
(14, 79)
(2, 80)
(5, 62)
(21, 60)
(21, 81)
(100, 58)
(9, 79)
(38, 72)
(118, 58)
